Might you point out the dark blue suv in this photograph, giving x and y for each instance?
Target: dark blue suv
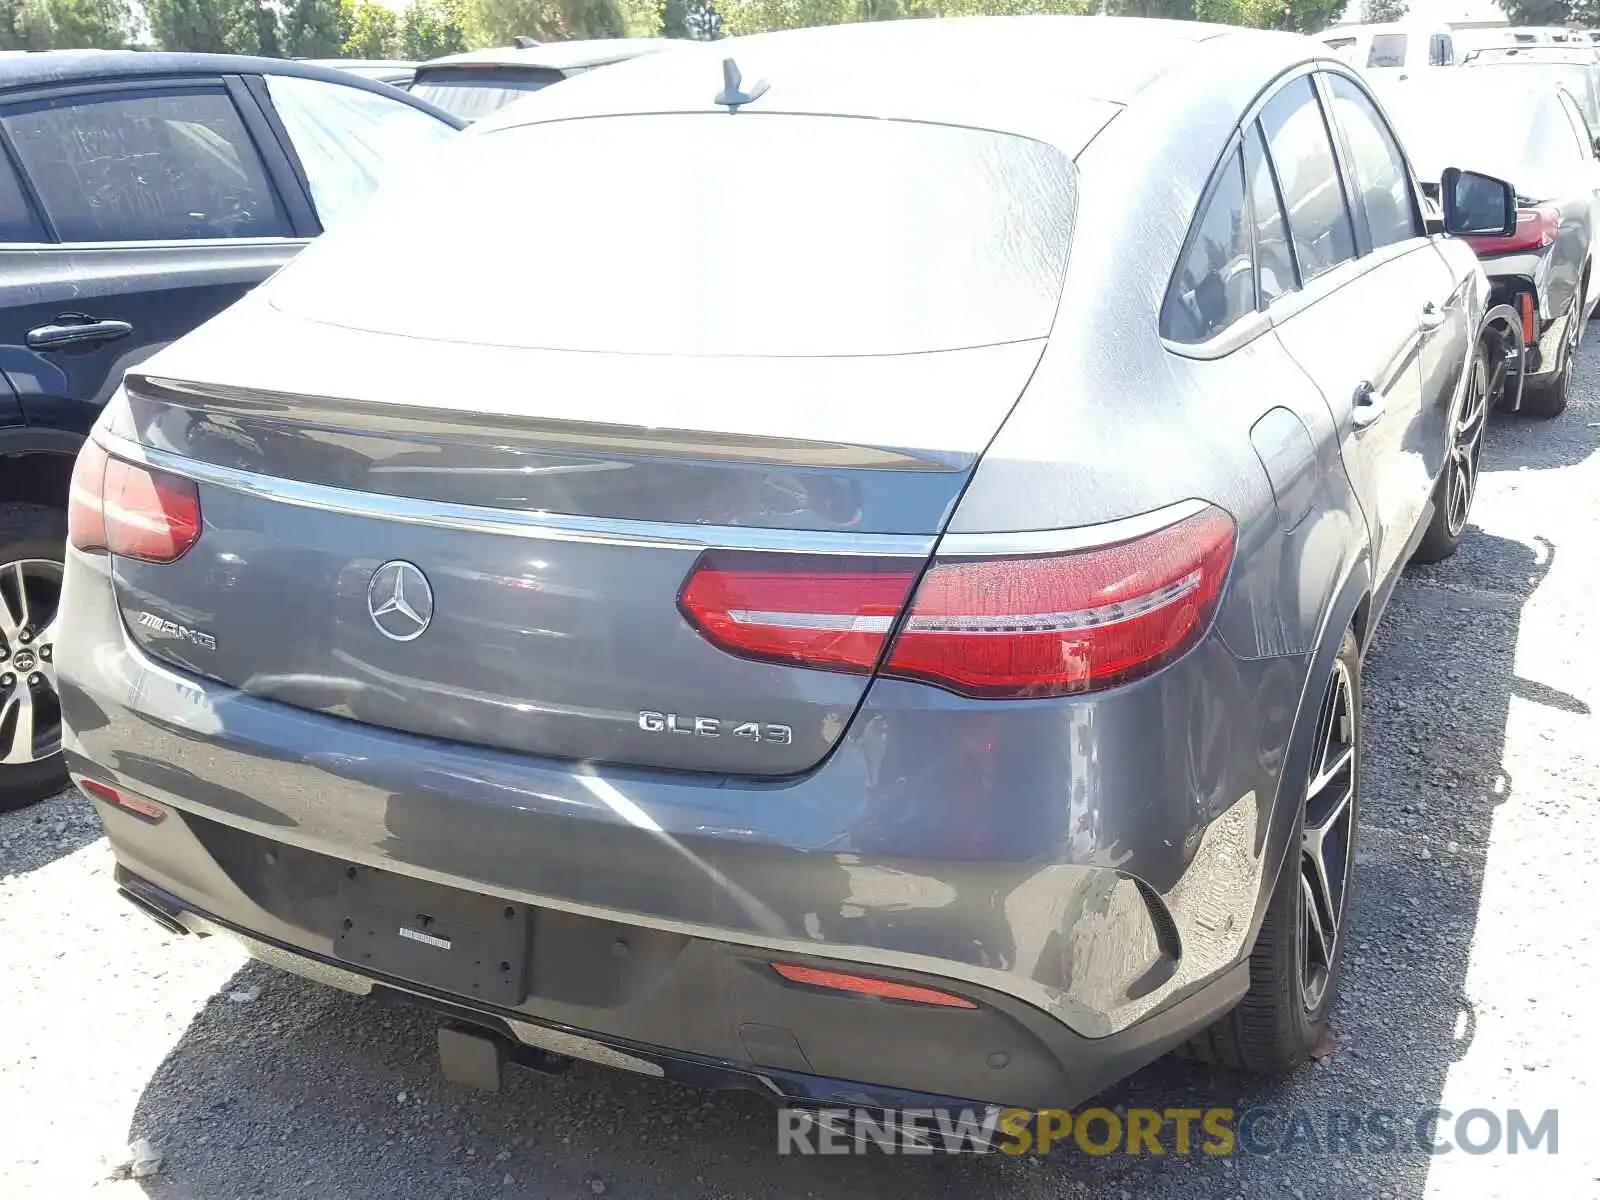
(140, 195)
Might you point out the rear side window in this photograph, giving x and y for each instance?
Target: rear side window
(348, 139)
(1274, 260)
(1387, 50)
(146, 166)
(1215, 284)
(1308, 174)
(473, 92)
(17, 222)
(1382, 182)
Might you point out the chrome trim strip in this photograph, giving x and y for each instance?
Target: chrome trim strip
(1235, 337)
(129, 249)
(1061, 541)
(539, 525)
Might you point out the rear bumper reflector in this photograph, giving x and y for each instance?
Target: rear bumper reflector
(861, 985)
(145, 810)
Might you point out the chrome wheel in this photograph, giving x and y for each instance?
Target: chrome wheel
(1466, 449)
(30, 710)
(1327, 844)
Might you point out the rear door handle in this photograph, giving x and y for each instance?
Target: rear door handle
(1432, 317)
(70, 329)
(1368, 406)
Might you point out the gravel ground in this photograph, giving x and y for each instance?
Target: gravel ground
(1474, 962)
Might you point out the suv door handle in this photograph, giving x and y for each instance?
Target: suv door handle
(1432, 317)
(1368, 406)
(73, 329)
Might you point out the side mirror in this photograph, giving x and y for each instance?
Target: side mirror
(1477, 205)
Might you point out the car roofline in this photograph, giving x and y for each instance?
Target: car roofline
(68, 68)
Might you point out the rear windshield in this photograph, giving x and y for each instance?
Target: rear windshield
(1344, 47)
(705, 234)
(1518, 136)
(1388, 50)
(1577, 78)
(473, 92)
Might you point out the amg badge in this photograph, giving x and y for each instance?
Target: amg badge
(710, 727)
(162, 627)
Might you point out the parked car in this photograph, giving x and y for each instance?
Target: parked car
(141, 194)
(1544, 35)
(395, 72)
(796, 641)
(1575, 69)
(1534, 137)
(476, 83)
(1392, 45)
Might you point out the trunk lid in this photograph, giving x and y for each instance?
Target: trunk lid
(552, 551)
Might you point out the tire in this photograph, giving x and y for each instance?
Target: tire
(32, 547)
(1458, 481)
(1549, 399)
(1281, 1019)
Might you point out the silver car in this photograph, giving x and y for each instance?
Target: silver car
(884, 629)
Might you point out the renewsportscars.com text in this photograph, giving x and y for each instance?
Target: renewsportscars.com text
(1176, 1131)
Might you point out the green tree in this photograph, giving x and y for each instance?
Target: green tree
(1375, 12)
(215, 26)
(1173, 10)
(754, 16)
(1255, 14)
(64, 24)
(496, 22)
(758, 16)
(698, 19)
(643, 18)
(1536, 12)
(269, 31)
(1310, 16)
(374, 32)
(317, 28)
(431, 29)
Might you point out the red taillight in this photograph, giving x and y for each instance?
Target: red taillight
(810, 610)
(131, 510)
(863, 985)
(1536, 229)
(86, 522)
(1530, 327)
(998, 628)
(1055, 624)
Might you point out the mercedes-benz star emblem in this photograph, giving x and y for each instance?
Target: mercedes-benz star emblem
(400, 600)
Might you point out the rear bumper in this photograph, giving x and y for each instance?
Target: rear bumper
(1090, 873)
(1512, 275)
(1001, 1052)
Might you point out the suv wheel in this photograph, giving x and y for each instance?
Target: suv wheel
(32, 541)
(1458, 482)
(1294, 968)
